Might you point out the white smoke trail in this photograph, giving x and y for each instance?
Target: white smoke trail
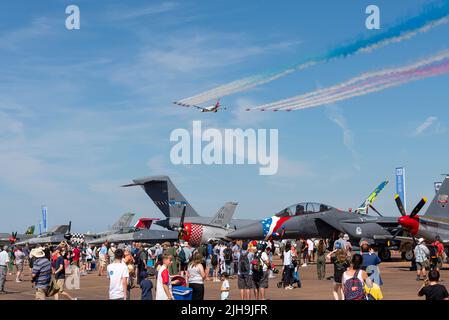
(358, 84)
(341, 52)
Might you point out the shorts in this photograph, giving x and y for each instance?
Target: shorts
(184, 266)
(260, 280)
(244, 282)
(102, 262)
(439, 264)
(208, 263)
(60, 283)
(19, 266)
(41, 293)
(422, 265)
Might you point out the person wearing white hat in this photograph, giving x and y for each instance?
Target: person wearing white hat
(422, 255)
(41, 273)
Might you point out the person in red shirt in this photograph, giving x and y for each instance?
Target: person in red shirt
(440, 252)
(76, 256)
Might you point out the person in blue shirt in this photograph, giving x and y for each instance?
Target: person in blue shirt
(146, 286)
(210, 251)
(370, 263)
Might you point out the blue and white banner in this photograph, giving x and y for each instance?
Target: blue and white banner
(44, 218)
(400, 185)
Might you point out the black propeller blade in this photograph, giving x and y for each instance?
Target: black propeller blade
(418, 207)
(398, 200)
(181, 222)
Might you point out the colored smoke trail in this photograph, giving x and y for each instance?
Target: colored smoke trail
(431, 17)
(364, 84)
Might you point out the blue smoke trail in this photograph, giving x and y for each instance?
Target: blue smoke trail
(431, 16)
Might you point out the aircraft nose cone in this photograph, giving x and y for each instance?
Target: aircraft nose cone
(250, 232)
(408, 223)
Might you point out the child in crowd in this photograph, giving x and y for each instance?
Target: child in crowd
(146, 285)
(224, 286)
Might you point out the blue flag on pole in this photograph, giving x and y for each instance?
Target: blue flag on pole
(400, 185)
(44, 218)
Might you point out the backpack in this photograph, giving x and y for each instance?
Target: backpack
(227, 254)
(256, 263)
(354, 288)
(244, 263)
(182, 256)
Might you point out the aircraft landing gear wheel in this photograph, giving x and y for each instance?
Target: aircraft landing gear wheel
(407, 255)
(384, 254)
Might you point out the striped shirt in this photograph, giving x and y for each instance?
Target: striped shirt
(42, 270)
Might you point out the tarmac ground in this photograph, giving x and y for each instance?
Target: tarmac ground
(399, 283)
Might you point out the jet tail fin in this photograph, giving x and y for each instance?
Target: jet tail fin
(363, 208)
(30, 230)
(144, 223)
(439, 207)
(123, 222)
(224, 215)
(165, 196)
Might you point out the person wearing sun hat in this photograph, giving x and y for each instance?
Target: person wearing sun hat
(41, 273)
(422, 254)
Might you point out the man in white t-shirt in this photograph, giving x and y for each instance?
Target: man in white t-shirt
(310, 247)
(118, 277)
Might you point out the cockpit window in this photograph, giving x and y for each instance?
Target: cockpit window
(303, 208)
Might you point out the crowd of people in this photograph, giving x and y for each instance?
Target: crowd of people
(356, 274)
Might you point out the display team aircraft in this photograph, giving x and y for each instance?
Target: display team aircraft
(212, 108)
(181, 216)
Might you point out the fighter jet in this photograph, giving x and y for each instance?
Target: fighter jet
(171, 203)
(139, 233)
(57, 234)
(62, 233)
(434, 222)
(318, 220)
(13, 237)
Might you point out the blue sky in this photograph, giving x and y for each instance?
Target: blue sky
(82, 112)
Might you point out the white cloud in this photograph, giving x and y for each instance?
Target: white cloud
(135, 13)
(425, 127)
(157, 165)
(335, 114)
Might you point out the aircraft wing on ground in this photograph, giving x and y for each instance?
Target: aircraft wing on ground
(188, 105)
(143, 235)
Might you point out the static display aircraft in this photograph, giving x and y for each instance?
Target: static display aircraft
(56, 234)
(172, 204)
(318, 220)
(139, 233)
(434, 222)
(213, 108)
(61, 233)
(13, 237)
